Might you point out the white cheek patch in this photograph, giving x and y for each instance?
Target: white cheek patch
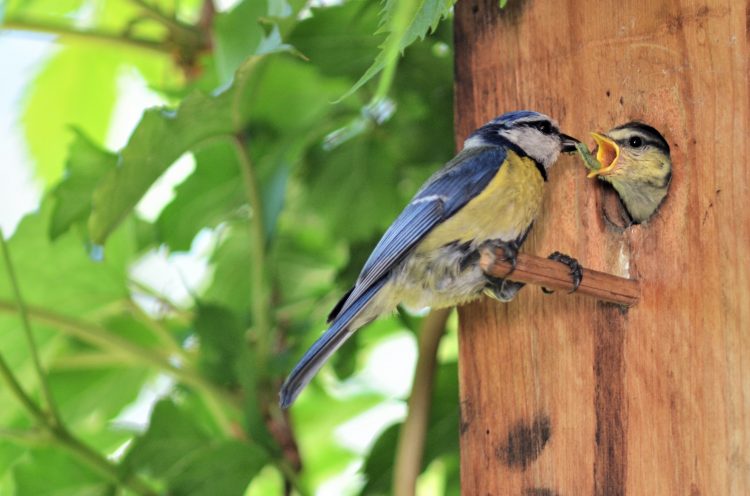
(544, 148)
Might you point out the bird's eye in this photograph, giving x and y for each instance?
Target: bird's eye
(635, 142)
(544, 127)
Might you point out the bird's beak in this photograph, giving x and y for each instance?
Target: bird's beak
(568, 143)
(607, 154)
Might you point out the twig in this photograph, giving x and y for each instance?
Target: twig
(60, 436)
(15, 387)
(67, 33)
(258, 291)
(106, 340)
(30, 341)
(410, 450)
(554, 275)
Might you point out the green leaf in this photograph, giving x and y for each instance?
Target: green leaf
(405, 21)
(226, 468)
(372, 175)
(54, 473)
(221, 343)
(90, 398)
(189, 458)
(316, 417)
(57, 277)
(212, 194)
(76, 88)
(238, 35)
(356, 181)
(69, 281)
(161, 137)
(86, 165)
(230, 284)
(339, 40)
(164, 135)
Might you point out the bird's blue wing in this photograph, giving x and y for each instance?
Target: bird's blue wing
(443, 195)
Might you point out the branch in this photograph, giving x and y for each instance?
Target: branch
(410, 450)
(30, 341)
(60, 436)
(66, 33)
(554, 275)
(110, 341)
(258, 286)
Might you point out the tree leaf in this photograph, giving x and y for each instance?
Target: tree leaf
(163, 135)
(76, 88)
(238, 35)
(210, 195)
(221, 343)
(54, 473)
(177, 449)
(86, 165)
(160, 138)
(405, 21)
(339, 40)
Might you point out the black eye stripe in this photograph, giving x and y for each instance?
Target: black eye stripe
(545, 127)
(644, 142)
(648, 134)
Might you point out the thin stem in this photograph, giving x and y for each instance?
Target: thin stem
(33, 437)
(410, 449)
(291, 476)
(66, 33)
(258, 286)
(15, 388)
(61, 437)
(99, 463)
(260, 297)
(179, 30)
(160, 331)
(113, 343)
(26, 324)
(180, 313)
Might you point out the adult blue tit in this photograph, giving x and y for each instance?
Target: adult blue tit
(636, 162)
(429, 257)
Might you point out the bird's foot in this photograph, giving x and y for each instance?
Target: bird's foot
(576, 271)
(510, 252)
(502, 289)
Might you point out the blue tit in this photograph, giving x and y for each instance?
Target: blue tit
(429, 257)
(635, 161)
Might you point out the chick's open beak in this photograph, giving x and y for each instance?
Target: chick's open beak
(568, 143)
(607, 154)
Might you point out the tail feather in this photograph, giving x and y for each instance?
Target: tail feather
(329, 342)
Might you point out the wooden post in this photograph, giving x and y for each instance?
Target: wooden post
(564, 395)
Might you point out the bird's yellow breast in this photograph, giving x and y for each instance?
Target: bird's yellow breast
(503, 210)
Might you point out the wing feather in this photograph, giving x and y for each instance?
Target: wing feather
(442, 196)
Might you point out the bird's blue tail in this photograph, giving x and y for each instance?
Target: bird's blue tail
(324, 347)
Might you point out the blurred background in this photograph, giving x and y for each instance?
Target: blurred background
(188, 187)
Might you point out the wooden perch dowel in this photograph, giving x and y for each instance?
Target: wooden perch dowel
(555, 275)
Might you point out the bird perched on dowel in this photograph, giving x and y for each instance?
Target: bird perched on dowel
(634, 158)
(488, 195)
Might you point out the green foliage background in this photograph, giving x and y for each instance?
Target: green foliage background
(309, 131)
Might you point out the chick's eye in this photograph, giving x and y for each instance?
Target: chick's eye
(635, 142)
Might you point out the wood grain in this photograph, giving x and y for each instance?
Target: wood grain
(562, 395)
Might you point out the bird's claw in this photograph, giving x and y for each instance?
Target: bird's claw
(510, 253)
(576, 271)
